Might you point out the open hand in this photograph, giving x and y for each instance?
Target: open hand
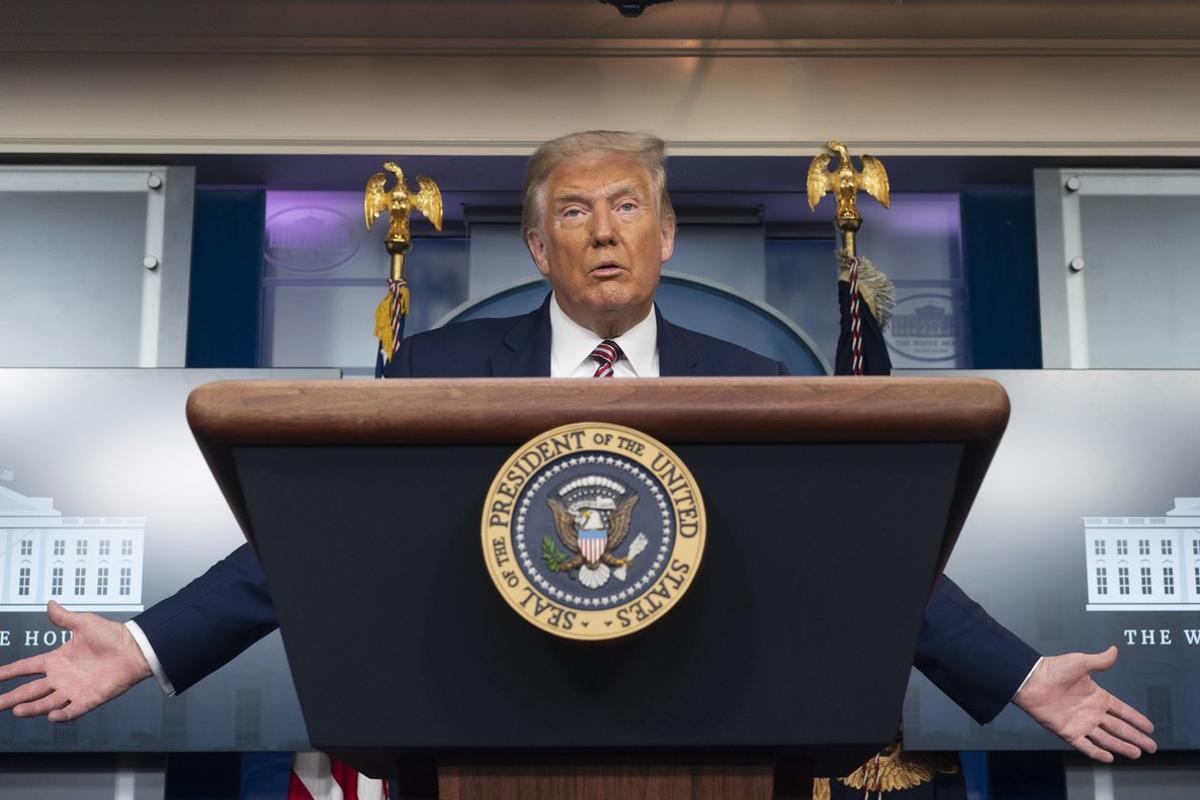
(1062, 696)
(99, 662)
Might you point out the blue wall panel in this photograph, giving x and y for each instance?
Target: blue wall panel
(225, 303)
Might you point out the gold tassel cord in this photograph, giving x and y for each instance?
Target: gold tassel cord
(383, 326)
(404, 301)
(875, 287)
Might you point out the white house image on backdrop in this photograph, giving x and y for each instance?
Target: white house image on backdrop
(85, 563)
(1145, 563)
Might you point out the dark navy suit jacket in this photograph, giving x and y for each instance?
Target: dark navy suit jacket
(970, 656)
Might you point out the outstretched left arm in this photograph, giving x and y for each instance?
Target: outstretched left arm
(1063, 698)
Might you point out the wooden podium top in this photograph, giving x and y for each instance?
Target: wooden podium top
(699, 410)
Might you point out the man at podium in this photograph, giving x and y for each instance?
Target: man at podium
(599, 224)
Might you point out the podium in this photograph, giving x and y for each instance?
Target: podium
(832, 506)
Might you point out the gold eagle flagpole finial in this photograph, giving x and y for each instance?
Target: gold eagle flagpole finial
(845, 182)
(892, 770)
(399, 203)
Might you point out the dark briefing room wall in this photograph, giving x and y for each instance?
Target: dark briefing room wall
(999, 244)
(998, 237)
(997, 226)
(225, 303)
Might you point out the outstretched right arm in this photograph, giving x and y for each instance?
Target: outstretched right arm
(191, 634)
(99, 662)
(207, 623)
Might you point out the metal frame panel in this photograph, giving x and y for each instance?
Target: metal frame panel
(170, 197)
(1062, 282)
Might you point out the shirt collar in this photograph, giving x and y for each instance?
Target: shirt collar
(571, 344)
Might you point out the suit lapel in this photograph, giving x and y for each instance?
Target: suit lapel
(525, 350)
(677, 353)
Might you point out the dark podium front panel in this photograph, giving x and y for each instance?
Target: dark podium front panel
(817, 564)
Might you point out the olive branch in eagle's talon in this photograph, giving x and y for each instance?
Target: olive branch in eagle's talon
(554, 558)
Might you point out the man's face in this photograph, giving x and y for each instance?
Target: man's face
(602, 242)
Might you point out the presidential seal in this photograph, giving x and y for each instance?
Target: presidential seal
(593, 531)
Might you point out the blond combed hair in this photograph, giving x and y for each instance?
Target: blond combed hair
(644, 149)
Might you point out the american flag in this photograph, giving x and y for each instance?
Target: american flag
(316, 776)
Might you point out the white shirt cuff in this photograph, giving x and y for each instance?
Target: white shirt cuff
(148, 652)
(1036, 664)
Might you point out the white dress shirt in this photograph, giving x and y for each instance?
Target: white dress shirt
(571, 347)
(151, 657)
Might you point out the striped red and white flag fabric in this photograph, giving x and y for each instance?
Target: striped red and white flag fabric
(316, 776)
(591, 544)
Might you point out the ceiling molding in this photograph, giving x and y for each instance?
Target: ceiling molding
(130, 44)
(582, 20)
(463, 147)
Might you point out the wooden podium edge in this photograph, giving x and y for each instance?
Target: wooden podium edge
(679, 410)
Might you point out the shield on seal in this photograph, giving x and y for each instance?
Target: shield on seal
(592, 542)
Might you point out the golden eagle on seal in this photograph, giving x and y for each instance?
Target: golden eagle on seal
(586, 521)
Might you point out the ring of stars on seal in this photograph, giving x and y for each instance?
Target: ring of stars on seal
(593, 530)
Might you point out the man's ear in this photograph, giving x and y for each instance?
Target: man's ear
(668, 239)
(537, 249)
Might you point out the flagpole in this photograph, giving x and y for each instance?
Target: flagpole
(399, 203)
(844, 181)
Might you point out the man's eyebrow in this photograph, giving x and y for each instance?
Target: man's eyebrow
(579, 196)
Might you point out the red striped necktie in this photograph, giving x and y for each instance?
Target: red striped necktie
(606, 354)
